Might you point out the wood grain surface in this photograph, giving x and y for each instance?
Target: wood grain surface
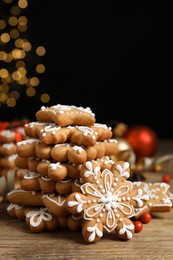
(154, 242)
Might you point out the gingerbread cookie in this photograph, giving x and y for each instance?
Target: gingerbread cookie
(64, 115)
(28, 198)
(8, 149)
(56, 204)
(26, 148)
(50, 133)
(58, 171)
(21, 162)
(7, 136)
(40, 219)
(106, 201)
(30, 182)
(16, 211)
(8, 162)
(78, 154)
(159, 200)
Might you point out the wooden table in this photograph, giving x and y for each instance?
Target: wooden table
(155, 241)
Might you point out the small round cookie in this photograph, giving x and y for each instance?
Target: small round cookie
(8, 149)
(21, 162)
(33, 163)
(30, 182)
(64, 187)
(7, 136)
(46, 184)
(26, 148)
(8, 162)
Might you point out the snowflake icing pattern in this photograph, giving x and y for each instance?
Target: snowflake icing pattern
(107, 201)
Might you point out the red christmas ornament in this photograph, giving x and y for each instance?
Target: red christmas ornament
(143, 140)
(166, 179)
(145, 217)
(138, 226)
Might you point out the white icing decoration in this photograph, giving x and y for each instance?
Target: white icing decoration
(122, 170)
(126, 229)
(139, 197)
(94, 231)
(42, 214)
(79, 203)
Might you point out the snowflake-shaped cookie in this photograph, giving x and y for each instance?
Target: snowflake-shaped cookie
(159, 197)
(107, 201)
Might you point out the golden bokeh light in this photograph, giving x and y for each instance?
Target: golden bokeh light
(22, 20)
(5, 37)
(11, 102)
(15, 94)
(26, 46)
(40, 68)
(3, 97)
(40, 51)
(14, 33)
(22, 3)
(20, 63)
(45, 98)
(13, 21)
(34, 81)
(15, 10)
(16, 71)
(30, 92)
(2, 24)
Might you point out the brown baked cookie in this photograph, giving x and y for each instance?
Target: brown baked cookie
(21, 162)
(64, 187)
(28, 198)
(74, 222)
(16, 211)
(8, 162)
(56, 204)
(107, 201)
(46, 184)
(31, 182)
(26, 148)
(7, 136)
(43, 151)
(8, 149)
(159, 200)
(50, 133)
(40, 219)
(78, 154)
(33, 163)
(64, 115)
(58, 171)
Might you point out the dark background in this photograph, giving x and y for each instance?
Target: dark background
(114, 56)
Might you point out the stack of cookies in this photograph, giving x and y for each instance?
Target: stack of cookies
(57, 145)
(71, 180)
(10, 175)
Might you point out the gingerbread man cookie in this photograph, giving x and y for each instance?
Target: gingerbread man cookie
(107, 201)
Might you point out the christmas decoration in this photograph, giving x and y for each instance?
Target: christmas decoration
(166, 179)
(138, 226)
(143, 141)
(145, 218)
